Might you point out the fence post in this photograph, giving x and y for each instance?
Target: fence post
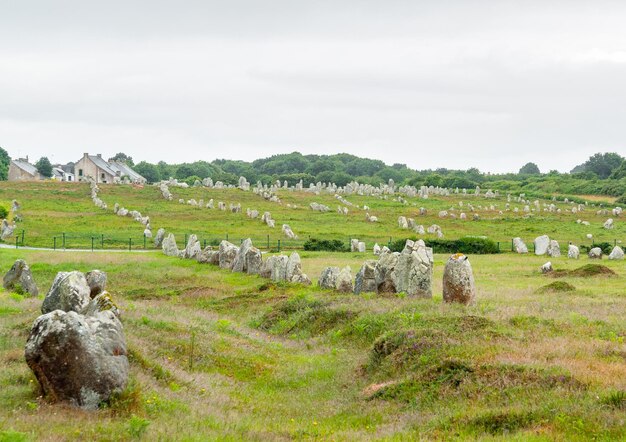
(204, 242)
(512, 245)
(130, 244)
(92, 243)
(63, 240)
(279, 246)
(227, 237)
(22, 237)
(498, 246)
(144, 241)
(268, 242)
(17, 239)
(55, 242)
(102, 241)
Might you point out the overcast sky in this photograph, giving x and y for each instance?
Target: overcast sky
(455, 84)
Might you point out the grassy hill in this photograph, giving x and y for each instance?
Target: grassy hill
(50, 209)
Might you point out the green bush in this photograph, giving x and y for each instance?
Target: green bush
(326, 245)
(4, 213)
(467, 245)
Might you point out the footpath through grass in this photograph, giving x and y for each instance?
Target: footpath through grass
(217, 355)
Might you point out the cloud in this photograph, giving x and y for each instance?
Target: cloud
(430, 84)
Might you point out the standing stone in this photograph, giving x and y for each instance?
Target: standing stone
(294, 266)
(193, 249)
(78, 359)
(617, 253)
(458, 280)
(69, 292)
(554, 250)
(209, 256)
(344, 281)
(573, 252)
(239, 263)
(228, 252)
(541, 245)
(366, 278)
(413, 271)
(519, 245)
(376, 249)
(547, 267)
(383, 272)
(278, 268)
(20, 274)
(328, 278)
(97, 281)
(254, 261)
(608, 224)
(361, 247)
(169, 245)
(595, 253)
(354, 245)
(158, 239)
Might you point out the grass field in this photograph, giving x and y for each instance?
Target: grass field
(282, 362)
(52, 209)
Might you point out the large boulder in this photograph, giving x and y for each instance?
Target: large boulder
(413, 272)
(519, 245)
(193, 249)
(354, 245)
(608, 224)
(344, 283)
(458, 280)
(6, 230)
(278, 268)
(209, 256)
(97, 281)
(365, 280)
(383, 271)
(328, 278)
(572, 252)
(554, 250)
(595, 253)
(76, 358)
(617, 253)
(69, 292)
(541, 245)
(228, 252)
(20, 274)
(239, 263)
(254, 261)
(169, 245)
(159, 237)
(294, 266)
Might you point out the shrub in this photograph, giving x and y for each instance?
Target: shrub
(467, 245)
(605, 246)
(4, 213)
(326, 245)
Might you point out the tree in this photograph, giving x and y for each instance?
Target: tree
(123, 158)
(5, 160)
(44, 167)
(620, 172)
(602, 164)
(149, 171)
(529, 169)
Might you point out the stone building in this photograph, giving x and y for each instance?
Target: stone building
(101, 171)
(22, 170)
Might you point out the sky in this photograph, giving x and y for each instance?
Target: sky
(454, 84)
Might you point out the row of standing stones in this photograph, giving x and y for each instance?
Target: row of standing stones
(409, 271)
(76, 348)
(550, 247)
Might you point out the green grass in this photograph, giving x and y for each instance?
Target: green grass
(51, 209)
(216, 355)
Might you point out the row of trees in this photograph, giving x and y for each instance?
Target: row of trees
(602, 173)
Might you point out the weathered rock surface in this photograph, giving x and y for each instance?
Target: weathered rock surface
(344, 283)
(20, 273)
(97, 281)
(328, 278)
(239, 262)
(228, 253)
(159, 237)
(193, 249)
(519, 245)
(76, 358)
(69, 292)
(547, 267)
(541, 245)
(595, 253)
(209, 256)
(365, 280)
(254, 261)
(458, 280)
(573, 252)
(617, 253)
(169, 245)
(554, 250)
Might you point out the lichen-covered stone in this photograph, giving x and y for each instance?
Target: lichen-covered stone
(458, 280)
(228, 252)
(239, 262)
(97, 281)
(169, 245)
(328, 278)
(20, 273)
(365, 280)
(69, 292)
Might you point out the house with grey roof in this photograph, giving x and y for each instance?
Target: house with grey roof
(96, 168)
(22, 170)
